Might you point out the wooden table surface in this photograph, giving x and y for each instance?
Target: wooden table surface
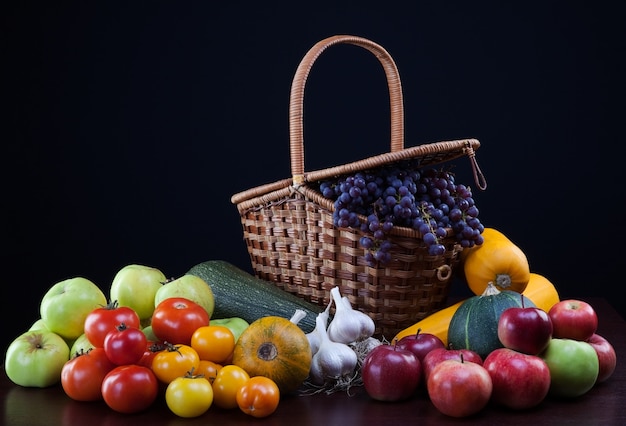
(603, 405)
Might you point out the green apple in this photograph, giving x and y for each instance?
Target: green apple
(135, 286)
(82, 343)
(573, 367)
(67, 303)
(38, 325)
(35, 358)
(235, 324)
(190, 287)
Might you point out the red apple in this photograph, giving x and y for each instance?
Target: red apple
(390, 373)
(439, 355)
(420, 343)
(607, 357)
(459, 388)
(573, 319)
(525, 329)
(520, 381)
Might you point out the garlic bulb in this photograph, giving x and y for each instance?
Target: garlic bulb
(333, 360)
(314, 341)
(348, 324)
(367, 323)
(315, 338)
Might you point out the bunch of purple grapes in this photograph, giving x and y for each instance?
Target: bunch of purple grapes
(426, 200)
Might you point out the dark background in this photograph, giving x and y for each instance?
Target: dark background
(128, 126)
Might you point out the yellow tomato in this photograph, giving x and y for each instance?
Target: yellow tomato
(226, 385)
(213, 343)
(189, 396)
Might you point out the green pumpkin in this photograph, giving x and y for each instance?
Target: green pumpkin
(474, 325)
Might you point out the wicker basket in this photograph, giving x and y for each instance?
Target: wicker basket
(292, 240)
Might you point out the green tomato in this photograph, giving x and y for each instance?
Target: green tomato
(190, 287)
(189, 396)
(135, 286)
(235, 324)
(35, 359)
(573, 367)
(150, 336)
(67, 303)
(82, 343)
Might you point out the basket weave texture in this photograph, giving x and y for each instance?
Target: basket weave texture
(293, 243)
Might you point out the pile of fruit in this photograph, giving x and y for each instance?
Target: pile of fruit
(196, 342)
(537, 355)
(514, 342)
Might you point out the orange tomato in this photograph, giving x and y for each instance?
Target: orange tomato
(258, 397)
(175, 361)
(209, 369)
(226, 384)
(213, 343)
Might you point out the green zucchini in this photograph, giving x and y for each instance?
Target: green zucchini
(240, 294)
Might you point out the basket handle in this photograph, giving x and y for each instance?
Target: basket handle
(296, 105)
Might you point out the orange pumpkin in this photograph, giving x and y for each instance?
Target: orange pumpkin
(277, 348)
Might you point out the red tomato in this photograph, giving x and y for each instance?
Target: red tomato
(175, 319)
(125, 345)
(152, 348)
(130, 388)
(82, 375)
(101, 320)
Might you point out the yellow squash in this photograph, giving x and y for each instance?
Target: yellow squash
(499, 261)
(541, 291)
(489, 234)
